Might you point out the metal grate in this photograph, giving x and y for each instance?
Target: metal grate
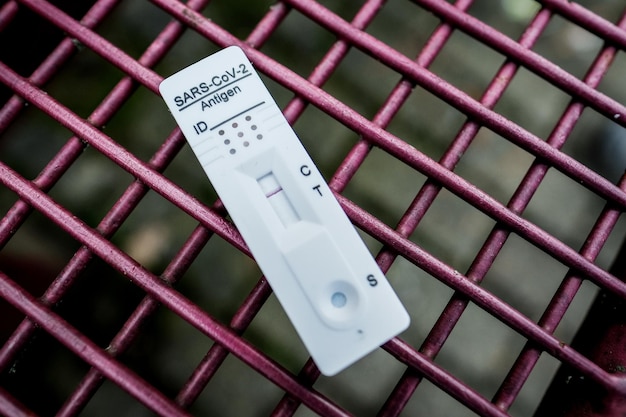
(484, 158)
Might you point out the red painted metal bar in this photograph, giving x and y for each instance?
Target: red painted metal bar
(439, 270)
(417, 160)
(61, 163)
(162, 292)
(431, 82)
(129, 331)
(456, 306)
(601, 337)
(12, 407)
(53, 63)
(477, 295)
(124, 159)
(331, 60)
(196, 20)
(7, 13)
(203, 373)
(385, 140)
(529, 59)
(216, 355)
(419, 362)
(574, 12)
(604, 225)
(414, 158)
(309, 373)
(95, 42)
(352, 163)
(533, 178)
(460, 100)
(344, 114)
(213, 359)
(393, 104)
(128, 202)
(163, 186)
(560, 302)
(86, 349)
(292, 111)
(190, 313)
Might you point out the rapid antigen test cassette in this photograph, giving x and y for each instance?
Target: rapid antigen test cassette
(336, 296)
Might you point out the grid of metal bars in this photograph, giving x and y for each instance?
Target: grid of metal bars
(300, 390)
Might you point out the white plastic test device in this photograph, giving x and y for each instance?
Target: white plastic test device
(322, 273)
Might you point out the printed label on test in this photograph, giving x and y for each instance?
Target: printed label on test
(322, 273)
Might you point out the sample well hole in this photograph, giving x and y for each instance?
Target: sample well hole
(339, 299)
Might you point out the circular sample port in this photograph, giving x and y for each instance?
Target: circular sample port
(341, 304)
(338, 299)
